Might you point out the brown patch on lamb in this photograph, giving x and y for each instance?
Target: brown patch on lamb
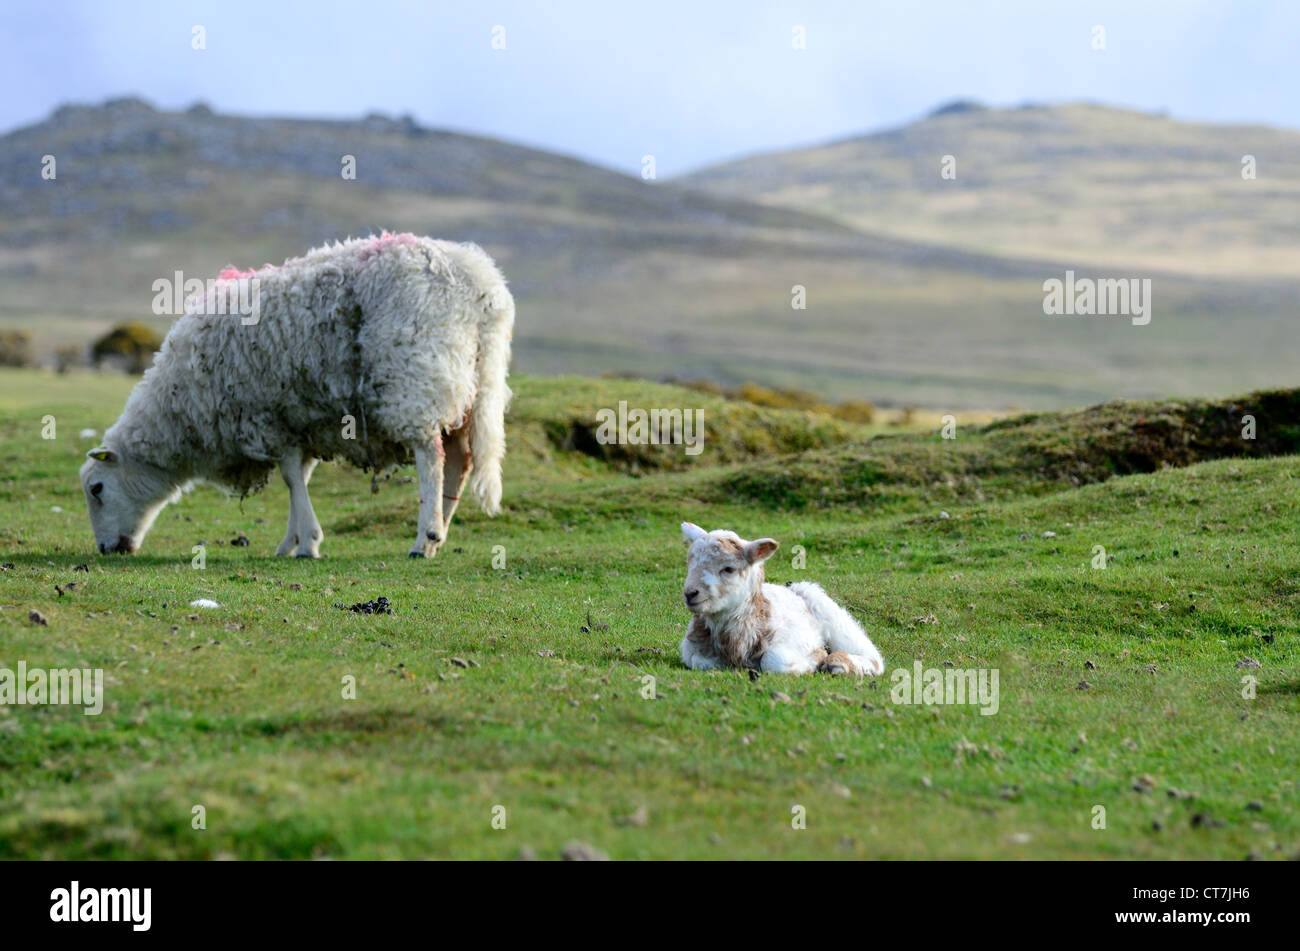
(744, 642)
(702, 638)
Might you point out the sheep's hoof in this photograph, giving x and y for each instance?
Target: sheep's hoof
(425, 549)
(306, 554)
(840, 663)
(415, 554)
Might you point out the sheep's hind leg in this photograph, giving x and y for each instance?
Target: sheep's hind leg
(459, 462)
(304, 534)
(841, 634)
(432, 528)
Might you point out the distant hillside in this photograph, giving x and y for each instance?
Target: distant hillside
(1086, 184)
(687, 279)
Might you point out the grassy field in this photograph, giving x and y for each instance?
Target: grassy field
(523, 684)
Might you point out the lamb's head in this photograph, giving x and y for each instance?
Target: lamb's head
(124, 497)
(722, 569)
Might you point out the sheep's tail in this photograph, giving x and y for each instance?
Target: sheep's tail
(487, 432)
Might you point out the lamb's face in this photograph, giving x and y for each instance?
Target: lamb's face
(118, 519)
(722, 569)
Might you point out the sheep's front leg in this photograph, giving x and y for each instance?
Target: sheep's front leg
(304, 534)
(459, 462)
(432, 529)
(290, 469)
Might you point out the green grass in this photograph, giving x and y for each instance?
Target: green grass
(239, 709)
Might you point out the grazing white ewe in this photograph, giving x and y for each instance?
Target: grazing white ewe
(740, 621)
(369, 351)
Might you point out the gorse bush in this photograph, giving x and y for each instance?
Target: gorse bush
(133, 344)
(1027, 454)
(15, 348)
(853, 411)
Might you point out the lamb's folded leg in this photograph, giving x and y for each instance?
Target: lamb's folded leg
(842, 663)
(697, 648)
(432, 529)
(841, 632)
(789, 659)
(304, 534)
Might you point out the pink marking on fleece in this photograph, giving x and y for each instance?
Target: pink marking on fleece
(228, 274)
(235, 274)
(387, 238)
(376, 244)
(384, 241)
(437, 445)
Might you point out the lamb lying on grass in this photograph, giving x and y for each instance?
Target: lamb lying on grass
(742, 622)
(369, 351)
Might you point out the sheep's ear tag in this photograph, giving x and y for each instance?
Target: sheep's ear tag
(102, 454)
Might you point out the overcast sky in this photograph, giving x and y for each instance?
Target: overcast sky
(690, 82)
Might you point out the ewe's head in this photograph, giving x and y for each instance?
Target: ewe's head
(123, 497)
(722, 569)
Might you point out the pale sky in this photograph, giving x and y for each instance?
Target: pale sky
(689, 82)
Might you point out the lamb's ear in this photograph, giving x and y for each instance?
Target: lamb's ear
(760, 550)
(692, 531)
(103, 454)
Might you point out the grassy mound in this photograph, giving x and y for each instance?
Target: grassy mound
(1028, 453)
(558, 417)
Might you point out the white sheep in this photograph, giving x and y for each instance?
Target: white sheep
(369, 351)
(741, 621)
